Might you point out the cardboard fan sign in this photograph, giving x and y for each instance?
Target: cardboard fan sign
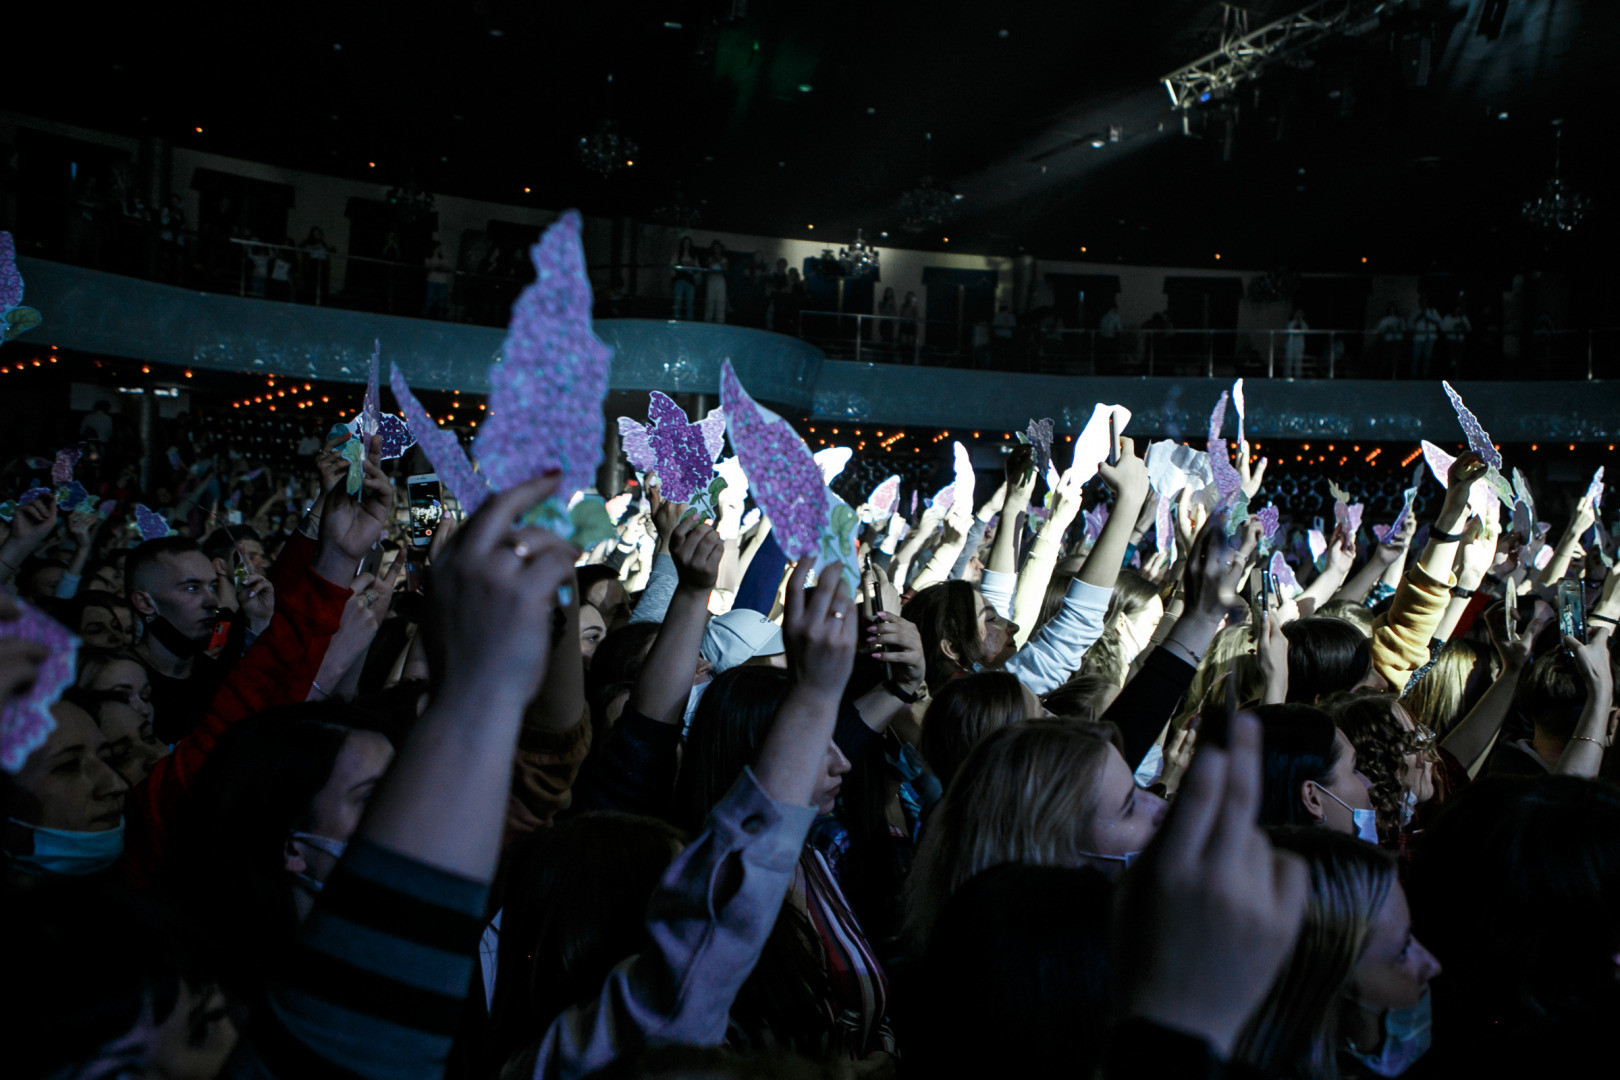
(807, 519)
(679, 453)
(545, 401)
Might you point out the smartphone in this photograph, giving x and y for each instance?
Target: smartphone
(427, 507)
(1571, 610)
(1113, 441)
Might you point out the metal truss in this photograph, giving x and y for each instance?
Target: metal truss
(1243, 53)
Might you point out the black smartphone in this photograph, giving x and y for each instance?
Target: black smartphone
(1113, 441)
(427, 507)
(1572, 610)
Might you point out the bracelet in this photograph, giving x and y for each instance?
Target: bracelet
(1462, 593)
(1443, 537)
(1587, 738)
(910, 699)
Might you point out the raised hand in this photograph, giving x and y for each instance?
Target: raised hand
(818, 630)
(1251, 476)
(32, 524)
(1215, 568)
(491, 599)
(992, 506)
(1021, 477)
(1273, 649)
(350, 525)
(1209, 916)
(1190, 516)
(696, 549)
(899, 644)
(257, 599)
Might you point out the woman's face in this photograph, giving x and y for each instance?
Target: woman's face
(831, 781)
(129, 680)
(1349, 786)
(67, 784)
(192, 1043)
(1395, 969)
(592, 629)
(132, 749)
(995, 633)
(106, 628)
(1135, 631)
(1127, 816)
(336, 809)
(1417, 769)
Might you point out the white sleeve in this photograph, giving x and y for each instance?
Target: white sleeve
(1054, 653)
(998, 591)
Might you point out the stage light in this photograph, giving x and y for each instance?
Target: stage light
(198, 130)
(525, 191)
(146, 369)
(371, 164)
(805, 88)
(629, 162)
(1217, 255)
(1082, 248)
(810, 226)
(947, 239)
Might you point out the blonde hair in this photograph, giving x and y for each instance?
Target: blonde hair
(1296, 1030)
(1025, 794)
(1441, 695)
(1230, 643)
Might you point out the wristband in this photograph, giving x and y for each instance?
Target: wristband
(1587, 738)
(1443, 537)
(1462, 593)
(910, 699)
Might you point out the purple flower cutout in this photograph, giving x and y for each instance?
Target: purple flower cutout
(1285, 574)
(782, 473)
(1164, 531)
(32, 494)
(150, 523)
(26, 722)
(1217, 418)
(442, 448)
(1594, 491)
(1095, 519)
(71, 495)
(885, 495)
(1348, 515)
(371, 404)
(1478, 439)
(62, 468)
(1269, 518)
(678, 451)
(1039, 434)
(11, 282)
(546, 393)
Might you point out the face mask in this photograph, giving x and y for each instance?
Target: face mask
(73, 854)
(1406, 1038)
(1152, 766)
(693, 696)
(1366, 820)
(334, 848)
(1408, 808)
(168, 635)
(1127, 858)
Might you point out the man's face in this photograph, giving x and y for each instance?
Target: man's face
(182, 589)
(104, 628)
(258, 563)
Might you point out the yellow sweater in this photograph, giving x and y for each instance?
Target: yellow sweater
(1400, 636)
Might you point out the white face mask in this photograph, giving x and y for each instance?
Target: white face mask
(334, 848)
(1409, 804)
(73, 854)
(1406, 1038)
(1366, 821)
(1128, 858)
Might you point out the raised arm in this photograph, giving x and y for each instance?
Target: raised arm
(662, 688)
(1341, 554)
(1594, 731)
(1555, 570)
(1469, 740)
(1386, 562)
(1474, 557)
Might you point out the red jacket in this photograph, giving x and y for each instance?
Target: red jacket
(277, 669)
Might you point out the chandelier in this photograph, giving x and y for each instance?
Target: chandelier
(606, 152)
(928, 204)
(1557, 207)
(858, 259)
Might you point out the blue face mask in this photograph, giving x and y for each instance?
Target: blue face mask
(1406, 1038)
(334, 848)
(1366, 821)
(73, 854)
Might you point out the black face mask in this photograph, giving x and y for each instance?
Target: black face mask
(168, 635)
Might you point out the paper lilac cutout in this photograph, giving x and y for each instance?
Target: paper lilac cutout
(1391, 533)
(71, 496)
(1242, 410)
(1091, 445)
(1228, 482)
(354, 454)
(786, 482)
(26, 721)
(442, 448)
(1039, 435)
(1095, 519)
(1269, 518)
(1285, 574)
(881, 503)
(149, 523)
(545, 401)
(1164, 531)
(832, 460)
(62, 467)
(1317, 544)
(371, 404)
(1478, 439)
(32, 494)
(1594, 490)
(680, 453)
(16, 317)
(1348, 515)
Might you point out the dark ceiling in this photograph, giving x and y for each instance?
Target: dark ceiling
(774, 116)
